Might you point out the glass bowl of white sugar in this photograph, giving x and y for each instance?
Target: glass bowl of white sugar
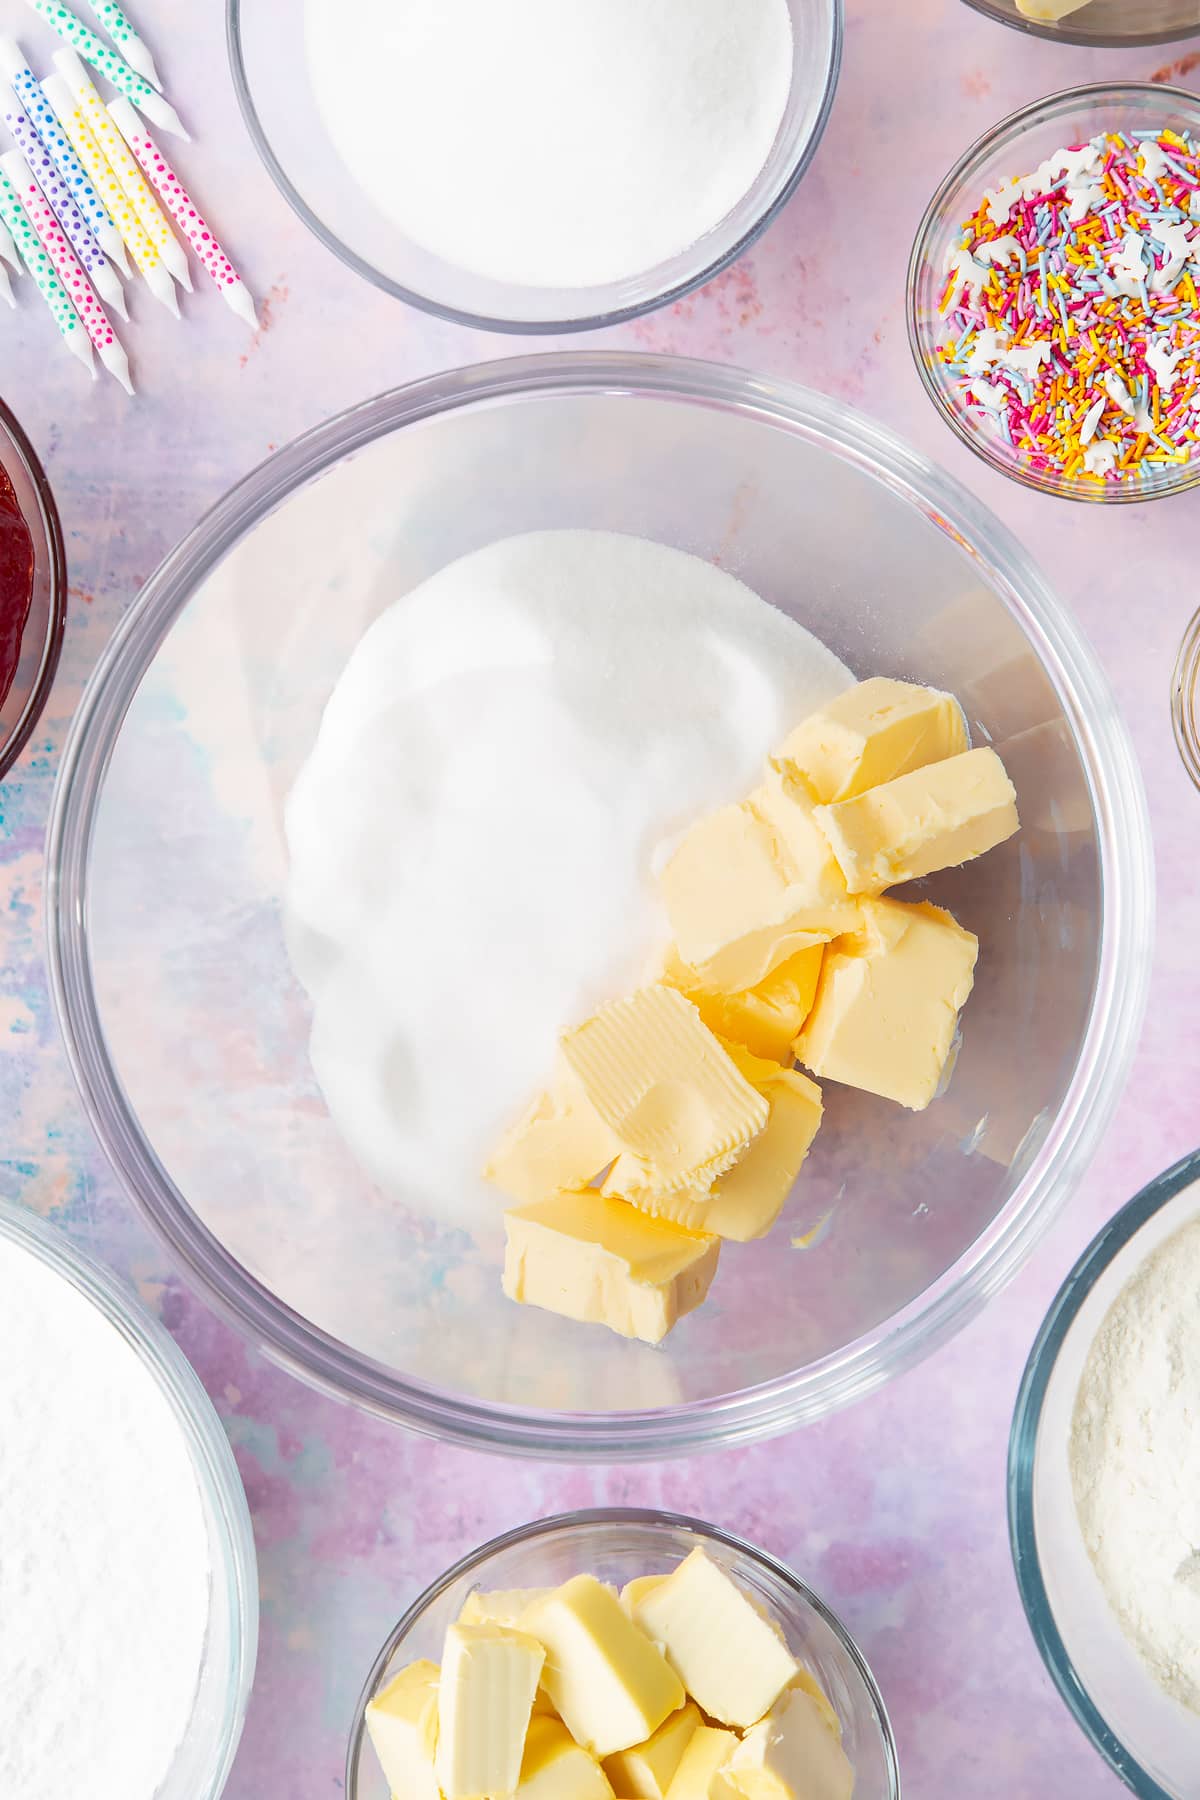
(129, 1572)
(535, 167)
(1104, 1489)
(619, 1545)
(663, 558)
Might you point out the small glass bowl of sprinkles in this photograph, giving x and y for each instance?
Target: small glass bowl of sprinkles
(1054, 294)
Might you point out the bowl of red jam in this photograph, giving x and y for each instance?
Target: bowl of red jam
(33, 589)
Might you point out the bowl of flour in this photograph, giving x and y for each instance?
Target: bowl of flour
(1104, 1488)
(536, 166)
(128, 1588)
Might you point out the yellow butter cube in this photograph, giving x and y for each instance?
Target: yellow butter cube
(888, 1000)
(739, 904)
(1049, 12)
(633, 1590)
(556, 1143)
(657, 1078)
(485, 1699)
(731, 1658)
(604, 1262)
(768, 1018)
(745, 1202)
(871, 733)
(702, 1772)
(555, 1767)
(807, 1680)
(610, 1685)
(935, 818)
(499, 1606)
(402, 1721)
(792, 1755)
(646, 1770)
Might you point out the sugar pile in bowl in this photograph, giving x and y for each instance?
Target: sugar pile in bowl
(549, 144)
(104, 1566)
(503, 766)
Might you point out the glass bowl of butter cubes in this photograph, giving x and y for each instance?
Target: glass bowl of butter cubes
(621, 1655)
(1103, 24)
(848, 799)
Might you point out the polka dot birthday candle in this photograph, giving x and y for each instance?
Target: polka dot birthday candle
(150, 214)
(83, 241)
(67, 266)
(122, 32)
(143, 251)
(184, 210)
(135, 87)
(41, 116)
(37, 260)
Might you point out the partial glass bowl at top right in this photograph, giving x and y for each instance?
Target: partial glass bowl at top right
(1151, 1742)
(1015, 147)
(1104, 24)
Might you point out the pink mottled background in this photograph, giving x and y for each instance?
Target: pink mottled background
(894, 1511)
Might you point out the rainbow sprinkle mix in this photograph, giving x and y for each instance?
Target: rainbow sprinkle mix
(1071, 320)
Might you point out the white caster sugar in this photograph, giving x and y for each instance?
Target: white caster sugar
(554, 143)
(473, 836)
(1135, 1461)
(104, 1575)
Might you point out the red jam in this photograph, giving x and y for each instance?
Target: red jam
(16, 583)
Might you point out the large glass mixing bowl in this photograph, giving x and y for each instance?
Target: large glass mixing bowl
(188, 1032)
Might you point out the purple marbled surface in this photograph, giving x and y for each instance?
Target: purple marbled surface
(895, 1510)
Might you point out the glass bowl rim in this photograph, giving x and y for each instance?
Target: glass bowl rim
(1108, 1242)
(651, 1518)
(1105, 1050)
(1075, 34)
(56, 623)
(1009, 130)
(234, 1560)
(618, 315)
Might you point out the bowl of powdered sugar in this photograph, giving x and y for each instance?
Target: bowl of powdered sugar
(535, 166)
(1104, 1489)
(128, 1592)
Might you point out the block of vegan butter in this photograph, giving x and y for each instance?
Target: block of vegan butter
(604, 1262)
(611, 1686)
(657, 1078)
(499, 1606)
(745, 1202)
(701, 1774)
(402, 1721)
(807, 1680)
(740, 904)
(730, 1657)
(934, 818)
(555, 1767)
(633, 1590)
(1049, 11)
(556, 1143)
(872, 733)
(791, 1755)
(485, 1699)
(645, 1771)
(768, 1018)
(888, 1001)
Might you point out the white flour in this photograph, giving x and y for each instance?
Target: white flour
(472, 838)
(104, 1577)
(1135, 1461)
(548, 143)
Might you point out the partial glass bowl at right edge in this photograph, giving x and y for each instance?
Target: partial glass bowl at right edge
(617, 1544)
(1015, 147)
(1151, 1742)
(1104, 24)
